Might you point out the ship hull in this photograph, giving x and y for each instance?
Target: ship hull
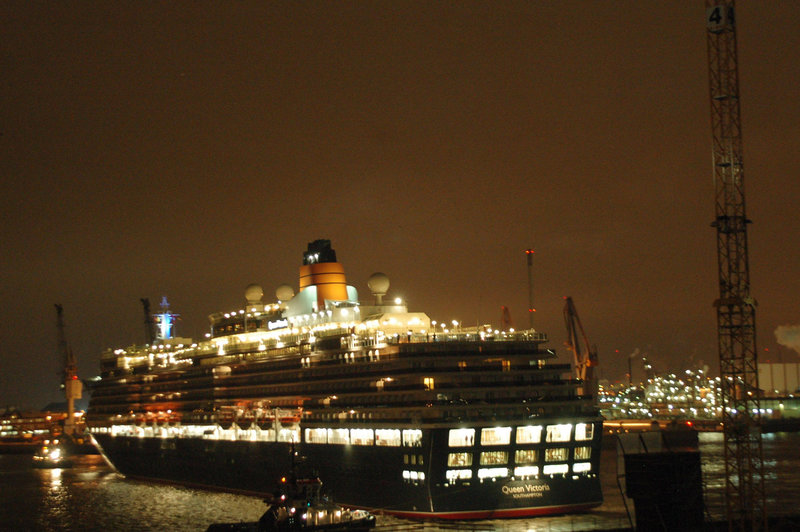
(369, 477)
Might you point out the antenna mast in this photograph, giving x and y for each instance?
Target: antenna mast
(736, 331)
(531, 310)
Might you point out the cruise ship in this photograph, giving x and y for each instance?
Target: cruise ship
(395, 412)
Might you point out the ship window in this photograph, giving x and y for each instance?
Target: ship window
(413, 459)
(459, 459)
(412, 438)
(316, 436)
(405, 459)
(496, 436)
(526, 456)
(583, 453)
(526, 471)
(558, 454)
(387, 437)
(361, 436)
(339, 436)
(428, 383)
(558, 433)
(289, 435)
(529, 434)
(584, 431)
(555, 468)
(461, 437)
(492, 472)
(494, 457)
(581, 467)
(456, 474)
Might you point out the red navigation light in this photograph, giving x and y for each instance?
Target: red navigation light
(74, 377)
(689, 423)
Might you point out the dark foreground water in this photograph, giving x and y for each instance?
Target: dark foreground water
(91, 496)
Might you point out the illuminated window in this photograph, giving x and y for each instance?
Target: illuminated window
(412, 438)
(506, 365)
(428, 382)
(316, 436)
(529, 434)
(525, 456)
(581, 467)
(558, 433)
(556, 455)
(361, 436)
(459, 459)
(461, 437)
(387, 437)
(493, 472)
(584, 431)
(494, 457)
(555, 469)
(458, 474)
(583, 453)
(526, 471)
(289, 435)
(496, 436)
(339, 436)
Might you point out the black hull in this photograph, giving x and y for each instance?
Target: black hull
(369, 477)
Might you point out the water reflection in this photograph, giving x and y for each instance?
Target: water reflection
(91, 496)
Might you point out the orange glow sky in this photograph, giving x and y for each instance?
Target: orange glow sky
(188, 149)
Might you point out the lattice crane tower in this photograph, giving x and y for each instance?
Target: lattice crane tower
(736, 314)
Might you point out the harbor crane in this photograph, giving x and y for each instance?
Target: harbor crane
(584, 355)
(745, 504)
(73, 387)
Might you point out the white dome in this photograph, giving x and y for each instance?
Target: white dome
(253, 293)
(378, 283)
(284, 292)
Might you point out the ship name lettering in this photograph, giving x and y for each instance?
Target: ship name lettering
(532, 489)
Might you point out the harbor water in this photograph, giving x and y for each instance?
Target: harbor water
(91, 496)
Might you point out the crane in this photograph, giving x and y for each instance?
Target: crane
(736, 313)
(505, 319)
(584, 356)
(73, 387)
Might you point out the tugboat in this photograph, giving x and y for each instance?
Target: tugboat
(52, 454)
(300, 506)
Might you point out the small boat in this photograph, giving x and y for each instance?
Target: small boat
(300, 506)
(52, 454)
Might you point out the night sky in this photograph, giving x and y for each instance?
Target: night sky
(189, 149)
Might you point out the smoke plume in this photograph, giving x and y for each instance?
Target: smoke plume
(789, 336)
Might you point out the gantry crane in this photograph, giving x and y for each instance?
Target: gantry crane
(584, 355)
(736, 330)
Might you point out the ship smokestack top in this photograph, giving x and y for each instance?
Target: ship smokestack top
(319, 251)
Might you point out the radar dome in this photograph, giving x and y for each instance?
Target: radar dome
(253, 293)
(378, 284)
(284, 292)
